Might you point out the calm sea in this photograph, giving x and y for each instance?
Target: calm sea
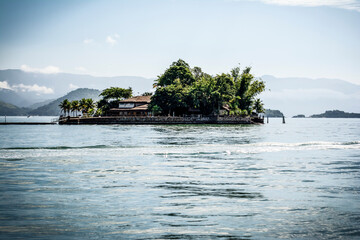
(296, 180)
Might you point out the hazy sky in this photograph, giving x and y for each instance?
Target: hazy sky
(284, 38)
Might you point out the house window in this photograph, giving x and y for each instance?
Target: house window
(126, 105)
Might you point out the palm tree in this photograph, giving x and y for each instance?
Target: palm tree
(65, 106)
(86, 105)
(75, 106)
(90, 105)
(82, 105)
(259, 106)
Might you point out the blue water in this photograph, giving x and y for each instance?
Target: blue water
(296, 180)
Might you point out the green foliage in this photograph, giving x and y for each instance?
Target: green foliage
(181, 88)
(87, 106)
(53, 109)
(116, 93)
(205, 96)
(171, 99)
(75, 106)
(111, 97)
(147, 94)
(7, 109)
(65, 106)
(259, 106)
(178, 70)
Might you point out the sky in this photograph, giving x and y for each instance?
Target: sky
(284, 38)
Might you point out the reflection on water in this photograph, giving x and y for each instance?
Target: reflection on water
(180, 182)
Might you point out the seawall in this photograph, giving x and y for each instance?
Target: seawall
(161, 120)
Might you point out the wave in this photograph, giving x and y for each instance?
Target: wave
(57, 147)
(206, 149)
(276, 147)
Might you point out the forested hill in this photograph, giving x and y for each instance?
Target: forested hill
(7, 109)
(273, 113)
(53, 109)
(336, 114)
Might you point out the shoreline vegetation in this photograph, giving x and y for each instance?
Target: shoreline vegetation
(182, 95)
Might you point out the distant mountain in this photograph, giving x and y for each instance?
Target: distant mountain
(10, 96)
(290, 95)
(40, 104)
(38, 87)
(7, 109)
(53, 109)
(273, 113)
(336, 114)
(310, 96)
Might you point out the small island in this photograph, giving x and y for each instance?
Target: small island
(299, 116)
(273, 113)
(182, 95)
(336, 114)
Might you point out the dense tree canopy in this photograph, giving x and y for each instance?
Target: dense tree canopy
(181, 90)
(116, 93)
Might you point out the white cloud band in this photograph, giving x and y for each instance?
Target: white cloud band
(46, 70)
(27, 88)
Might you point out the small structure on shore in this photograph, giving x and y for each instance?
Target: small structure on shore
(135, 106)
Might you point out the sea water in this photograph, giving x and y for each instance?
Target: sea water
(296, 180)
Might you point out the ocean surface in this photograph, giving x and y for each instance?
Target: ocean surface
(297, 180)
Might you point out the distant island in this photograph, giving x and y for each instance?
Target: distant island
(273, 113)
(336, 114)
(299, 116)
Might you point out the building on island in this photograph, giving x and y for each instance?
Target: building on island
(135, 106)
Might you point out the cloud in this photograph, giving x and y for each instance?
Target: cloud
(73, 86)
(5, 85)
(344, 4)
(26, 88)
(81, 69)
(46, 70)
(32, 88)
(112, 39)
(88, 41)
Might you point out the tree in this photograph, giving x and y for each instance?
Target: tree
(65, 106)
(246, 89)
(171, 99)
(111, 97)
(259, 106)
(83, 106)
(178, 70)
(147, 94)
(205, 96)
(90, 105)
(75, 106)
(116, 93)
(181, 89)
